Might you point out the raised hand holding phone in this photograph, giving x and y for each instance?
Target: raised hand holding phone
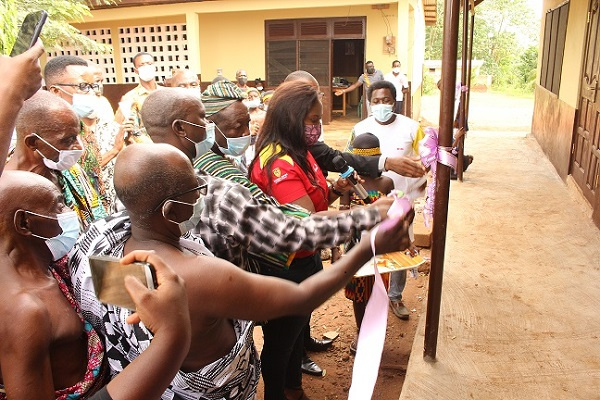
(30, 31)
(109, 275)
(167, 305)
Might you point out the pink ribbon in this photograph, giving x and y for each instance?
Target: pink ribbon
(371, 338)
(432, 154)
(372, 330)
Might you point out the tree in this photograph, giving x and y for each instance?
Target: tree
(504, 31)
(57, 32)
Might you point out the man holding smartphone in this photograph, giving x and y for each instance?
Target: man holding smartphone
(47, 350)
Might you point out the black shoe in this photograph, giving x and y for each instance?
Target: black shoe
(311, 368)
(467, 160)
(317, 345)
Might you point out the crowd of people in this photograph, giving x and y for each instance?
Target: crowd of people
(223, 191)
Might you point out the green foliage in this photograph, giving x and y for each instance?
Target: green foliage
(57, 32)
(505, 37)
(429, 84)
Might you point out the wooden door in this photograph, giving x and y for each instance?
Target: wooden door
(314, 56)
(585, 160)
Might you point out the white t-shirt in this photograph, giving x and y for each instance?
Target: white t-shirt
(400, 138)
(400, 81)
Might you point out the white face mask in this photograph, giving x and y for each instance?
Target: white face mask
(66, 158)
(382, 112)
(147, 73)
(85, 105)
(235, 146)
(252, 103)
(396, 70)
(205, 145)
(190, 223)
(61, 244)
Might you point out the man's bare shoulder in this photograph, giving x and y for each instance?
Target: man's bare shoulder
(23, 316)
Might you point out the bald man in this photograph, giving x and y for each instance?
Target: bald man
(47, 350)
(43, 341)
(163, 196)
(184, 78)
(49, 144)
(239, 220)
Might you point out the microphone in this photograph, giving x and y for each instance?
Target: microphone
(347, 172)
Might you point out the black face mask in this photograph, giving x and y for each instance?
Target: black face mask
(370, 70)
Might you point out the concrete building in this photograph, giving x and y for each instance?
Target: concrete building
(268, 38)
(567, 106)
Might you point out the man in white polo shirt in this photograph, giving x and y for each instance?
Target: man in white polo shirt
(398, 136)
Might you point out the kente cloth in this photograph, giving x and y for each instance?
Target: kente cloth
(221, 95)
(359, 289)
(106, 133)
(91, 159)
(240, 219)
(96, 375)
(80, 196)
(232, 377)
(373, 151)
(374, 195)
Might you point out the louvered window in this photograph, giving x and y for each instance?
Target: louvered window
(306, 44)
(313, 56)
(313, 29)
(555, 31)
(349, 29)
(281, 60)
(281, 30)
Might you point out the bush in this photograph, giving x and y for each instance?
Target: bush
(429, 84)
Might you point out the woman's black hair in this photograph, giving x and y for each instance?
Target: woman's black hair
(284, 126)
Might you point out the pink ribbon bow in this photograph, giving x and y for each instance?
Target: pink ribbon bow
(431, 154)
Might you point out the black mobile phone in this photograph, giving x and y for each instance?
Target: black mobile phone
(29, 32)
(108, 275)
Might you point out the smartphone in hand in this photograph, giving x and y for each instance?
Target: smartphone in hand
(29, 32)
(108, 275)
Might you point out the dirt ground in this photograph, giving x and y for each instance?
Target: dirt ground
(336, 315)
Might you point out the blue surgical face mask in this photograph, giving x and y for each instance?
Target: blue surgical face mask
(61, 244)
(205, 145)
(235, 146)
(382, 112)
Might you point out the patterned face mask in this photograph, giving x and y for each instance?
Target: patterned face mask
(312, 134)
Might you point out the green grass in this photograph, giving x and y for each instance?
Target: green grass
(513, 92)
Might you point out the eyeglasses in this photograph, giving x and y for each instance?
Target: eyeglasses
(83, 86)
(201, 188)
